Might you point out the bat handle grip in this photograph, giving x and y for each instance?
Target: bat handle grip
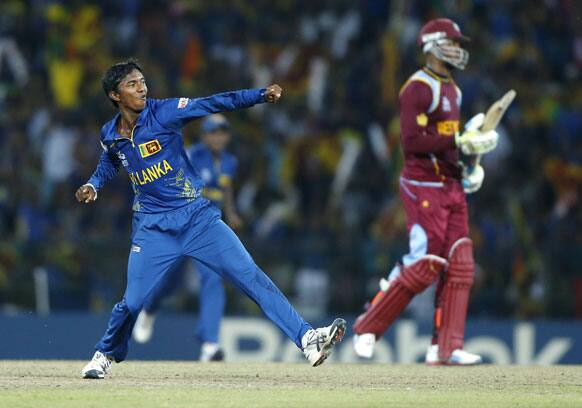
(473, 162)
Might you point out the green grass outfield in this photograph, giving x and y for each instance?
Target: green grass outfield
(47, 384)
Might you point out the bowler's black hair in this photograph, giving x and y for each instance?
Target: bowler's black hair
(115, 74)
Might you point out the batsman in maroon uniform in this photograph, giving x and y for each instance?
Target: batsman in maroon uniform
(433, 185)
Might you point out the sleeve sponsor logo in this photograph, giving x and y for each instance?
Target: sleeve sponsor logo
(149, 148)
(422, 120)
(182, 103)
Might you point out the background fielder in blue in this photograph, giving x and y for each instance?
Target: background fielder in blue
(171, 219)
(217, 168)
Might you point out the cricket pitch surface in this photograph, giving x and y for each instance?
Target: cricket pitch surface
(173, 384)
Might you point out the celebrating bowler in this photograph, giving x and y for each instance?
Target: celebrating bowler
(170, 217)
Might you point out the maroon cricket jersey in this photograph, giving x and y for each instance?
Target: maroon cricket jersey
(429, 118)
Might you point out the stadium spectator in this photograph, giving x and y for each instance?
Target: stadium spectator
(342, 63)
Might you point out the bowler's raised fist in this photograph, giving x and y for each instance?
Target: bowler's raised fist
(273, 93)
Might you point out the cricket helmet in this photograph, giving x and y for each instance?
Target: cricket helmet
(435, 37)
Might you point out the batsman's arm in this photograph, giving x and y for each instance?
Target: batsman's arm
(417, 138)
(107, 168)
(177, 112)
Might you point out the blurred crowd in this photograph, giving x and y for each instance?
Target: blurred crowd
(318, 177)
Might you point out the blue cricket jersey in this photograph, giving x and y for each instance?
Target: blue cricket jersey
(163, 178)
(216, 173)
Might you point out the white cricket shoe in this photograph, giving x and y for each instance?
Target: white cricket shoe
(99, 365)
(211, 352)
(432, 355)
(318, 343)
(458, 357)
(144, 327)
(364, 344)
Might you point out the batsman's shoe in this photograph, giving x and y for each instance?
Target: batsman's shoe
(211, 352)
(464, 358)
(318, 343)
(432, 355)
(458, 357)
(99, 365)
(144, 327)
(364, 344)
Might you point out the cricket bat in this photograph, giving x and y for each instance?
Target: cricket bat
(495, 113)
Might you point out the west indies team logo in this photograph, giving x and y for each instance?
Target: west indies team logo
(149, 148)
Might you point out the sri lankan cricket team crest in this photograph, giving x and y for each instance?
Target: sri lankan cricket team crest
(149, 148)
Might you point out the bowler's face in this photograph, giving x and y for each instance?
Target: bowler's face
(216, 140)
(132, 91)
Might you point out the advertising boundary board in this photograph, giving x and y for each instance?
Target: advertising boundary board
(73, 336)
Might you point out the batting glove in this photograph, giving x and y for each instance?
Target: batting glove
(476, 142)
(473, 141)
(473, 178)
(475, 122)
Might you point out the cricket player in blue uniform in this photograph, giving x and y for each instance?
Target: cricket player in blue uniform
(171, 219)
(217, 168)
